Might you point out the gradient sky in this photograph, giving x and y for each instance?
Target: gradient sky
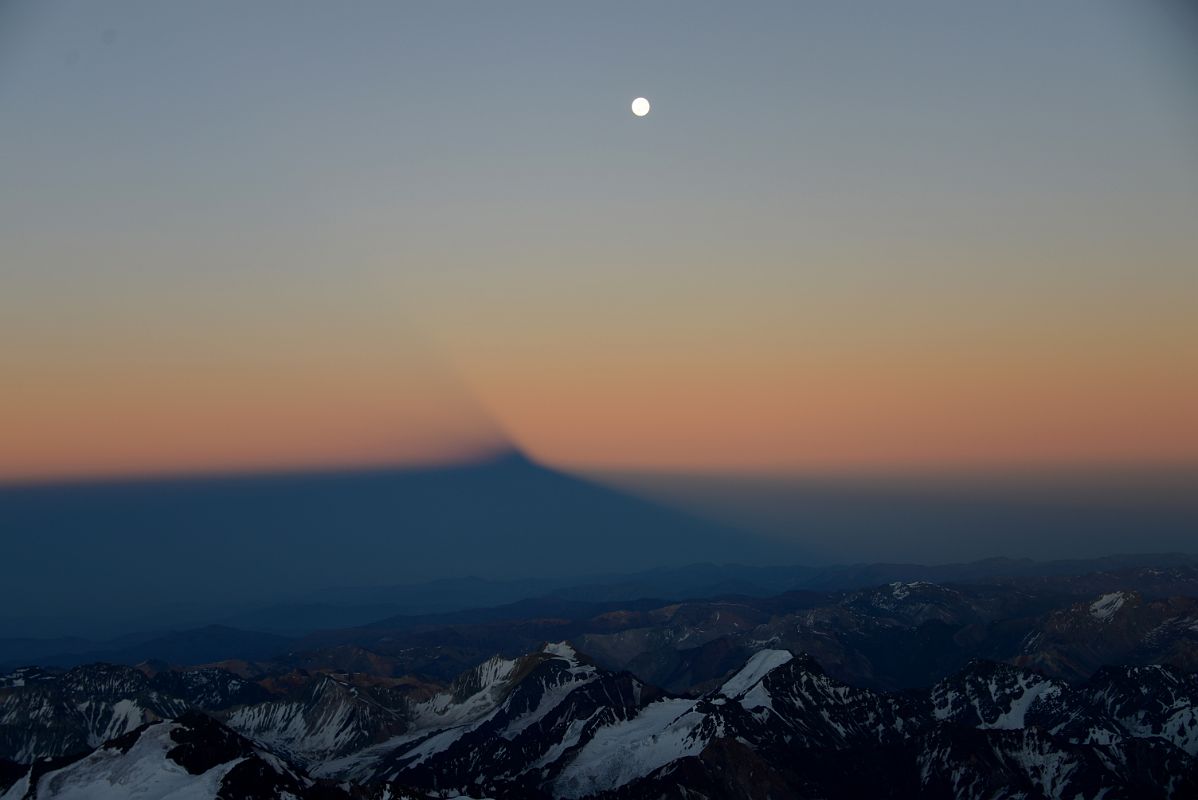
(849, 236)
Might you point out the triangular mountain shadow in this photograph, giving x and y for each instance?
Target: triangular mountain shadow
(257, 538)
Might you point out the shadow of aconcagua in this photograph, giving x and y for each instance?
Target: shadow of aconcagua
(167, 551)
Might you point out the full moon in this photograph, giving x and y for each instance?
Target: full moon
(640, 106)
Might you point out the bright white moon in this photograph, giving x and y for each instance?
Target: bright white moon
(640, 106)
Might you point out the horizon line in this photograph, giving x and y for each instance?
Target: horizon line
(459, 460)
(466, 458)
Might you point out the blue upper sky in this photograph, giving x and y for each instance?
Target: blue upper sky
(849, 235)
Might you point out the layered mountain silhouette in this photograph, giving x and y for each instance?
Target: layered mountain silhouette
(159, 549)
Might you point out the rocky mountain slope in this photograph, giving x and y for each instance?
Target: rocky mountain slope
(552, 723)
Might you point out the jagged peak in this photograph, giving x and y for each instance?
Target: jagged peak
(1140, 674)
(494, 671)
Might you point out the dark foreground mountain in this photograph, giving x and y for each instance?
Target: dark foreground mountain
(193, 756)
(553, 724)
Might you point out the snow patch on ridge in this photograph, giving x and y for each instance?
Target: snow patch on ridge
(663, 732)
(441, 710)
(562, 650)
(145, 771)
(754, 670)
(1013, 717)
(901, 590)
(1105, 607)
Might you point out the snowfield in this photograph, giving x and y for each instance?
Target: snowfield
(143, 772)
(1105, 607)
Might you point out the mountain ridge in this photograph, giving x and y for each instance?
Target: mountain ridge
(551, 724)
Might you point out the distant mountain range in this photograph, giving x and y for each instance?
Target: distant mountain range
(271, 631)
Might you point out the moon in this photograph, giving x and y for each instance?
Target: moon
(640, 106)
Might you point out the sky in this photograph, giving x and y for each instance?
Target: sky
(849, 237)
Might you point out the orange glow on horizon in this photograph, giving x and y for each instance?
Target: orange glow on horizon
(875, 406)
